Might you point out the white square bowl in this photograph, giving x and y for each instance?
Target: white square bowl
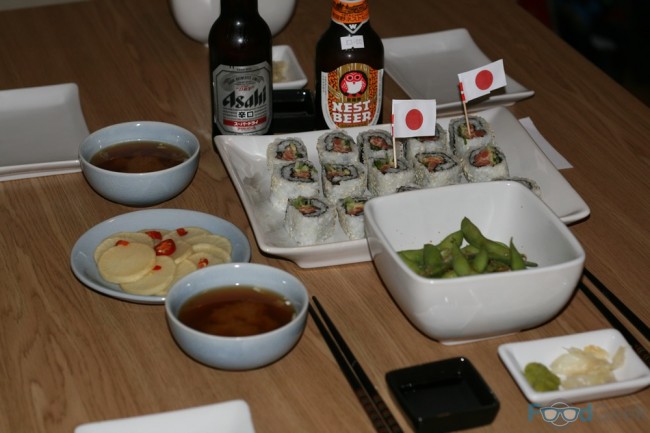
(294, 77)
(632, 376)
(478, 306)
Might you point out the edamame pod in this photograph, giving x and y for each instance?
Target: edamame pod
(415, 256)
(414, 265)
(455, 238)
(480, 261)
(459, 263)
(516, 260)
(431, 256)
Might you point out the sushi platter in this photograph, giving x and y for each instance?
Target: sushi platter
(245, 158)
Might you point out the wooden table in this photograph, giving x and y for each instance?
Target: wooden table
(70, 355)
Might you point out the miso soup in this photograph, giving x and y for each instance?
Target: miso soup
(236, 311)
(139, 157)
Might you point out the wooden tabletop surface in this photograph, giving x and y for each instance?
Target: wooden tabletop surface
(69, 355)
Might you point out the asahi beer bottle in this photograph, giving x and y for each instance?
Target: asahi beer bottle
(241, 77)
(349, 69)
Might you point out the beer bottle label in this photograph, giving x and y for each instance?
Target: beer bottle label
(242, 98)
(351, 14)
(351, 95)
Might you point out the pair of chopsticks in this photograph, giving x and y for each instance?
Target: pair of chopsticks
(611, 317)
(375, 407)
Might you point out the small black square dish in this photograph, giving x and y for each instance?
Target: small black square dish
(293, 110)
(443, 396)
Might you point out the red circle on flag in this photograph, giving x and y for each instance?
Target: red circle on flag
(484, 79)
(414, 119)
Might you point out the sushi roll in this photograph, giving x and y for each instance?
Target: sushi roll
(485, 163)
(284, 150)
(461, 140)
(350, 213)
(435, 143)
(375, 143)
(337, 147)
(528, 183)
(299, 178)
(434, 169)
(340, 180)
(309, 220)
(384, 177)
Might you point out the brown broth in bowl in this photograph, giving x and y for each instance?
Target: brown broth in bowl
(236, 311)
(139, 157)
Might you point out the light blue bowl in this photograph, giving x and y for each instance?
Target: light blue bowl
(140, 189)
(237, 353)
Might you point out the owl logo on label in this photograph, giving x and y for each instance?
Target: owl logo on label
(353, 83)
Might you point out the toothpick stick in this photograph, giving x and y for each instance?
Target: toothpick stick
(462, 98)
(392, 134)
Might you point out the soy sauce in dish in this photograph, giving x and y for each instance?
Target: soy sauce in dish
(236, 311)
(139, 157)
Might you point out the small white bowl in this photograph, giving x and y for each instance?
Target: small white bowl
(632, 376)
(140, 189)
(237, 353)
(479, 306)
(195, 17)
(294, 76)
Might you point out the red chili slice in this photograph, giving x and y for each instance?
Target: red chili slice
(203, 262)
(121, 243)
(181, 231)
(154, 234)
(165, 248)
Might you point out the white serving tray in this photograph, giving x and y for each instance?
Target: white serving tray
(227, 417)
(426, 66)
(245, 160)
(42, 128)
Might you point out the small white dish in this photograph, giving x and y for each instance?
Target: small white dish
(84, 266)
(245, 160)
(426, 66)
(41, 131)
(293, 76)
(633, 376)
(228, 417)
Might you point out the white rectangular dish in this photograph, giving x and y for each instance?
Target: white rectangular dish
(42, 128)
(292, 76)
(245, 160)
(426, 66)
(228, 417)
(632, 376)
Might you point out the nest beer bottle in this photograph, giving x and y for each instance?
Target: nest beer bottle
(240, 70)
(349, 69)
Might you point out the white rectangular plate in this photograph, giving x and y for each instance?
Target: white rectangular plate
(632, 376)
(245, 160)
(294, 77)
(42, 128)
(229, 417)
(426, 66)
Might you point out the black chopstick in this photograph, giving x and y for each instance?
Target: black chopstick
(627, 313)
(375, 407)
(636, 345)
